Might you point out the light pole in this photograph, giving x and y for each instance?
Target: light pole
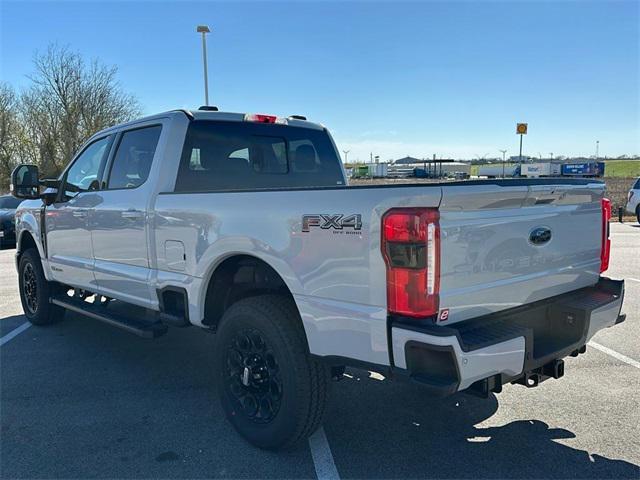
(204, 29)
(504, 152)
(597, 148)
(346, 152)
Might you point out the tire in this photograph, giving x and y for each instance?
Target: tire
(638, 213)
(271, 390)
(35, 291)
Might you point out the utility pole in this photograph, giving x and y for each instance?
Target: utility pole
(597, 148)
(520, 155)
(204, 29)
(504, 152)
(346, 152)
(521, 129)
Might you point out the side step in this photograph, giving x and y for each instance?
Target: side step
(100, 312)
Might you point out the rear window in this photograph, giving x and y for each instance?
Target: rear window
(637, 185)
(221, 156)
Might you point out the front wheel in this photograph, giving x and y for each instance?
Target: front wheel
(271, 390)
(35, 290)
(638, 213)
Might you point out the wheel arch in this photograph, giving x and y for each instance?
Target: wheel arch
(238, 276)
(25, 241)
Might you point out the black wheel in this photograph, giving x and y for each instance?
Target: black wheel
(638, 213)
(271, 390)
(35, 291)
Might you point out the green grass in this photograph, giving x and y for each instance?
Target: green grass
(622, 168)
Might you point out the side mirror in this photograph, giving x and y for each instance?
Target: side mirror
(24, 182)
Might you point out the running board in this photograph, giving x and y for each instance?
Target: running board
(100, 312)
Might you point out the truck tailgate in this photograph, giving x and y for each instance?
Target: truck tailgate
(504, 246)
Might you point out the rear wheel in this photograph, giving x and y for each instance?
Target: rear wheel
(638, 213)
(35, 290)
(271, 389)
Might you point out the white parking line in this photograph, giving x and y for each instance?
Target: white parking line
(14, 333)
(322, 457)
(633, 279)
(614, 354)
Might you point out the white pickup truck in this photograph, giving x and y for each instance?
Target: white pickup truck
(245, 225)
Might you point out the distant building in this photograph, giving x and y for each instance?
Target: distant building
(407, 161)
(419, 161)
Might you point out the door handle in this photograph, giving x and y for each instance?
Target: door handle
(80, 213)
(132, 214)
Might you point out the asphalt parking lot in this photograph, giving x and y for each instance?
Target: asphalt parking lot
(81, 399)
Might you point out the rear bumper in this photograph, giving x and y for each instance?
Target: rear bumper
(520, 345)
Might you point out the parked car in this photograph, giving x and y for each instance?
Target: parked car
(244, 225)
(8, 205)
(633, 200)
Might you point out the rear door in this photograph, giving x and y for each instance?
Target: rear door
(68, 236)
(119, 222)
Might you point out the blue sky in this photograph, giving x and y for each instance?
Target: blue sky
(420, 78)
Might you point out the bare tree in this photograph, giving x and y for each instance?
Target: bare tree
(68, 102)
(9, 133)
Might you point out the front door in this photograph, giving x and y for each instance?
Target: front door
(67, 220)
(119, 222)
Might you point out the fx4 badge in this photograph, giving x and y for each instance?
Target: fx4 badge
(337, 222)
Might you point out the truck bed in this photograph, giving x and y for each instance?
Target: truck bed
(487, 261)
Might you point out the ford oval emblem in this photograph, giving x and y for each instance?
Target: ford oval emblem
(540, 236)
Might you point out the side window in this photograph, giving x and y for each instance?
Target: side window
(83, 174)
(132, 161)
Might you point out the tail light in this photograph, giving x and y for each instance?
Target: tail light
(261, 118)
(605, 250)
(411, 250)
(631, 192)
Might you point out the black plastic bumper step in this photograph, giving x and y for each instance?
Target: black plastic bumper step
(478, 336)
(136, 326)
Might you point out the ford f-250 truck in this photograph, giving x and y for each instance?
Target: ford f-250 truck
(245, 225)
